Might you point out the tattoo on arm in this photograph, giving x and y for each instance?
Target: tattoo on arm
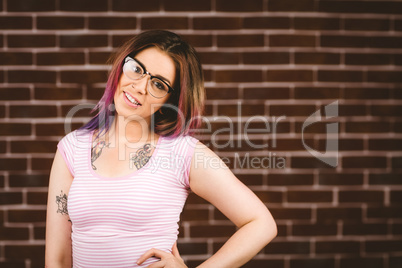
(61, 202)
(96, 151)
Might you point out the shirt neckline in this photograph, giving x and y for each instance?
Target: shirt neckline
(135, 172)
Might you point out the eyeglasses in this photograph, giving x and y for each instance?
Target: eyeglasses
(134, 70)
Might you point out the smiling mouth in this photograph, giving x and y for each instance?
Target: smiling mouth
(131, 99)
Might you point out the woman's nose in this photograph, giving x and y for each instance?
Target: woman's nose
(141, 84)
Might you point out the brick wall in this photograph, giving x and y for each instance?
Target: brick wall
(281, 60)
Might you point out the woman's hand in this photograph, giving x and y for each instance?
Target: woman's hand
(167, 260)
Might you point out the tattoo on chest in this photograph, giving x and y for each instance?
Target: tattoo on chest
(96, 151)
(141, 157)
(61, 202)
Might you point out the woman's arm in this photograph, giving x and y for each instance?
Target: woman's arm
(58, 226)
(212, 180)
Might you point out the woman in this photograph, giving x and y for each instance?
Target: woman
(118, 185)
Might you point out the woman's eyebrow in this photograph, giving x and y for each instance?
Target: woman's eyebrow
(156, 75)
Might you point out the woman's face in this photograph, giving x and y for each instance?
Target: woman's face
(132, 97)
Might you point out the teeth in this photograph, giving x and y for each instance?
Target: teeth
(131, 99)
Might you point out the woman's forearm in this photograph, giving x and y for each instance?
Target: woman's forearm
(243, 245)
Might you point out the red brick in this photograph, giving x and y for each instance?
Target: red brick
(164, 23)
(367, 127)
(350, 247)
(309, 196)
(284, 40)
(59, 22)
(316, 23)
(195, 199)
(381, 7)
(385, 245)
(58, 93)
(15, 22)
(368, 59)
(31, 76)
(317, 262)
(94, 93)
(231, 110)
(16, 58)
(78, 111)
(386, 110)
(352, 110)
(340, 76)
(366, 93)
(241, 40)
(10, 198)
(396, 197)
(266, 93)
(290, 179)
(242, 6)
(85, 77)
(3, 147)
(396, 228)
(384, 212)
(266, 23)
(89, 5)
(24, 252)
(295, 144)
(208, 23)
(398, 25)
(37, 198)
(57, 58)
(30, 5)
(367, 24)
(263, 263)
(33, 111)
(25, 180)
(334, 214)
(269, 197)
(365, 229)
(123, 5)
(343, 144)
(291, 213)
(43, 164)
(39, 232)
(14, 94)
(112, 23)
(221, 93)
(291, 110)
(54, 129)
(212, 230)
(361, 41)
(194, 215)
(314, 230)
(317, 58)
(36, 40)
(193, 248)
(385, 179)
(250, 179)
(13, 164)
(1, 181)
(376, 262)
(361, 196)
(219, 57)
(14, 233)
(289, 5)
(364, 162)
(289, 76)
(198, 40)
(13, 264)
(388, 144)
(28, 216)
(31, 146)
(99, 57)
(184, 5)
(74, 41)
(231, 76)
(15, 129)
(384, 76)
(288, 247)
(266, 58)
(316, 93)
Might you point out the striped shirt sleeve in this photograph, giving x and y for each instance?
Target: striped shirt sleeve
(66, 147)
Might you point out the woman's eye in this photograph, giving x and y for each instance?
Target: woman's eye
(159, 85)
(137, 70)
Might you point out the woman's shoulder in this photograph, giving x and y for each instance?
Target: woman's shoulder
(77, 136)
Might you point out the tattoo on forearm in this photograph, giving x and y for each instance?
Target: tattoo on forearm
(96, 151)
(61, 202)
(141, 157)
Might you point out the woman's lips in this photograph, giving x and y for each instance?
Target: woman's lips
(130, 100)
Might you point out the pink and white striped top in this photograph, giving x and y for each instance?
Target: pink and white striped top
(116, 220)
